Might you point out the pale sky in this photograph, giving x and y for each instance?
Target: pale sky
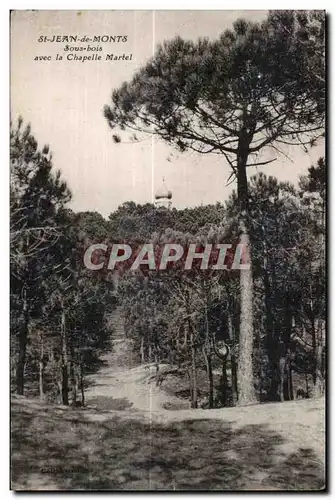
(63, 101)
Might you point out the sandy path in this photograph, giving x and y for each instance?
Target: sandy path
(141, 445)
(301, 422)
(117, 380)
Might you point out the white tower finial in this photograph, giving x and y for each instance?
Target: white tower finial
(163, 196)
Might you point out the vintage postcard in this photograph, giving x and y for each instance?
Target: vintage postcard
(168, 250)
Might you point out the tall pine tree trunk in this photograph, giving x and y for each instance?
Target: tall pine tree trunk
(282, 370)
(245, 376)
(23, 339)
(287, 380)
(157, 366)
(65, 375)
(286, 336)
(81, 380)
(74, 382)
(73, 376)
(317, 361)
(282, 379)
(142, 350)
(208, 358)
(194, 390)
(224, 384)
(234, 388)
(290, 380)
(234, 380)
(211, 382)
(271, 332)
(319, 384)
(194, 401)
(59, 393)
(273, 393)
(41, 367)
(306, 381)
(209, 370)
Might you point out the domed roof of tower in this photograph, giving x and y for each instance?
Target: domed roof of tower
(163, 192)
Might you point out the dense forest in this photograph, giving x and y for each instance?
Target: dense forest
(190, 319)
(258, 86)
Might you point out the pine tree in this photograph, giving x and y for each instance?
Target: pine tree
(37, 194)
(235, 96)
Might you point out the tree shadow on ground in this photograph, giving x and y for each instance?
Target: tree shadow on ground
(63, 449)
(103, 403)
